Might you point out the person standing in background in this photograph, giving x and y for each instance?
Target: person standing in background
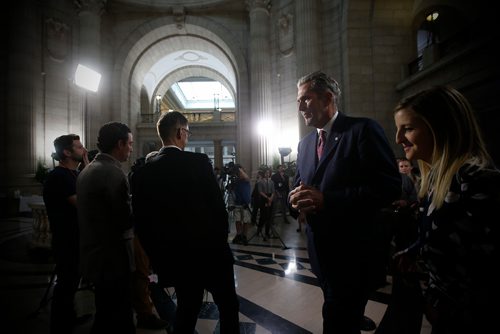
(241, 194)
(346, 173)
(106, 230)
(59, 196)
(459, 236)
(265, 187)
(282, 188)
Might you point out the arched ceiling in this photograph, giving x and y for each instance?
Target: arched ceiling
(163, 4)
(171, 54)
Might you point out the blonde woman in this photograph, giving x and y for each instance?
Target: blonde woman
(460, 193)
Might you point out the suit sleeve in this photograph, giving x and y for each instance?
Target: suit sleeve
(373, 177)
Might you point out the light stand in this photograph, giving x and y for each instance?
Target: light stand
(284, 151)
(88, 79)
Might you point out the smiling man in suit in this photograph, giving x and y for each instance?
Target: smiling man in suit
(346, 172)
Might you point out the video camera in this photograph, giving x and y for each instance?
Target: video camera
(230, 174)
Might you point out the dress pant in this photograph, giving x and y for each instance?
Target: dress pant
(113, 304)
(62, 315)
(343, 309)
(217, 277)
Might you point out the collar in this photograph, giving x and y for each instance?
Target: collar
(328, 126)
(171, 146)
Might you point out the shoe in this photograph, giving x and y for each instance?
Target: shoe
(367, 324)
(244, 240)
(299, 230)
(151, 321)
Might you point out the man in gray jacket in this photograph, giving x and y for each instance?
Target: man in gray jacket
(106, 234)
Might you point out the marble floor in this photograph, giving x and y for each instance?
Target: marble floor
(277, 291)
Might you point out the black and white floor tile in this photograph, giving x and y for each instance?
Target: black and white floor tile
(278, 292)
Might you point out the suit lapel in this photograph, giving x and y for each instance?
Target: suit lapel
(330, 148)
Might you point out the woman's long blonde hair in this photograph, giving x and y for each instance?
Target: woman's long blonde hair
(457, 138)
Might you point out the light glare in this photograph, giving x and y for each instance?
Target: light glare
(87, 78)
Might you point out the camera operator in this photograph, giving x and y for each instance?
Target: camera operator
(241, 194)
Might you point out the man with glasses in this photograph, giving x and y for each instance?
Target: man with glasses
(179, 211)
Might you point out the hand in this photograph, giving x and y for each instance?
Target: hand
(306, 199)
(85, 160)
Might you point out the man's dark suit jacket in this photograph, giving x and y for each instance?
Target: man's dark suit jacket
(180, 215)
(358, 176)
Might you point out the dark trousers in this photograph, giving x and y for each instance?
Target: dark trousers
(405, 310)
(342, 310)
(280, 204)
(62, 315)
(344, 299)
(218, 279)
(113, 304)
(265, 218)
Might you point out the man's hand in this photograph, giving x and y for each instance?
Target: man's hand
(85, 159)
(306, 199)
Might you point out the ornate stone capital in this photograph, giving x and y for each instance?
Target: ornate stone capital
(57, 39)
(264, 5)
(179, 16)
(93, 6)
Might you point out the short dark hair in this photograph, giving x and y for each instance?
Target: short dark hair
(320, 83)
(110, 134)
(168, 124)
(64, 142)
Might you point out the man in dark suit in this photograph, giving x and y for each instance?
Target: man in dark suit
(182, 223)
(340, 193)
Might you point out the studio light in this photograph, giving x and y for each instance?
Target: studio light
(87, 78)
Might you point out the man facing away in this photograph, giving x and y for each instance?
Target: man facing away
(180, 216)
(59, 195)
(241, 192)
(106, 230)
(340, 187)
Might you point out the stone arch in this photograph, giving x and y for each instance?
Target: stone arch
(188, 71)
(127, 68)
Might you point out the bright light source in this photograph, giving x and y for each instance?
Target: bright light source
(432, 16)
(87, 78)
(265, 128)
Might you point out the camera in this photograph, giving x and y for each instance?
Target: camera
(230, 174)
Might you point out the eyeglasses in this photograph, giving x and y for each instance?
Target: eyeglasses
(189, 133)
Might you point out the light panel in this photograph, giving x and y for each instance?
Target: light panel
(87, 78)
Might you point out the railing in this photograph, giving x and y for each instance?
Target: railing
(41, 230)
(433, 52)
(196, 117)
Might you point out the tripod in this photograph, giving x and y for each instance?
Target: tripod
(274, 232)
(45, 299)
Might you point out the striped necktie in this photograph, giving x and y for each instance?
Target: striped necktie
(321, 143)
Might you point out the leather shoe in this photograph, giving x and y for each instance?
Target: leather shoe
(367, 324)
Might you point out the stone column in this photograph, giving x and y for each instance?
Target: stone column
(218, 153)
(20, 76)
(307, 44)
(89, 13)
(260, 78)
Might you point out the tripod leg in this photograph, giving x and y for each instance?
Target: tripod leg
(278, 236)
(45, 299)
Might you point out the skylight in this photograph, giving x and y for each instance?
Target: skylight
(202, 95)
